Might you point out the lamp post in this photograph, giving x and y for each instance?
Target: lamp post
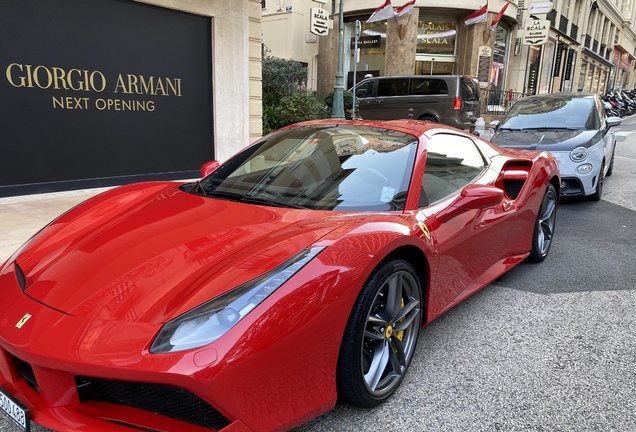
(338, 89)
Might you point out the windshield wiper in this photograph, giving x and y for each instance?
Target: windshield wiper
(226, 195)
(249, 199)
(197, 189)
(266, 201)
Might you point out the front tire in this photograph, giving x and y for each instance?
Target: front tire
(381, 335)
(544, 225)
(596, 196)
(611, 167)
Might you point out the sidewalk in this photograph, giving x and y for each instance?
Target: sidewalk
(23, 216)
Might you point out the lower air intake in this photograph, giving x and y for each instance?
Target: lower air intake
(165, 400)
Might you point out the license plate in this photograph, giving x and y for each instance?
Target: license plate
(469, 113)
(15, 410)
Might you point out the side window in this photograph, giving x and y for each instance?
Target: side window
(393, 87)
(364, 90)
(469, 90)
(428, 86)
(601, 111)
(452, 161)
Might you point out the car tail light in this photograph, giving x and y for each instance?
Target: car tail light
(457, 104)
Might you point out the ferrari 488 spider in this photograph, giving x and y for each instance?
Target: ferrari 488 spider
(298, 271)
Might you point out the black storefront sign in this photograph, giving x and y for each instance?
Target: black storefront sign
(367, 42)
(568, 65)
(557, 60)
(101, 92)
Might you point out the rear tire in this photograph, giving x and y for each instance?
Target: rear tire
(544, 225)
(428, 118)
(381, 334)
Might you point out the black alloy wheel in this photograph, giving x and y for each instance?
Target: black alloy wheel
(381, 335)
(544, 225)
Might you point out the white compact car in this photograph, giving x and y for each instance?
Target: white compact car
(571, 126)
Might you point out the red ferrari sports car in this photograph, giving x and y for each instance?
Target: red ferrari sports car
(297, 272)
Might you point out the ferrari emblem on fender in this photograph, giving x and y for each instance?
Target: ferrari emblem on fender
(425, 230)
(23, 320)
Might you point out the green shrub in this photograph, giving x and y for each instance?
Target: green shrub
(299, 107)
(281, 78)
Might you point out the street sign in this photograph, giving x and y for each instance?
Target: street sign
(319, 23)
(538, 8)
(535, 31)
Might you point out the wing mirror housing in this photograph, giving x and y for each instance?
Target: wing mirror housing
(613, 121)
(209, 167)
(472, 197)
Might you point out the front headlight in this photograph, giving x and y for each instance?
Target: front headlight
(208, 322)
(579, 154)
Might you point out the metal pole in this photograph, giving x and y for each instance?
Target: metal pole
(356, 59)
(338, 98)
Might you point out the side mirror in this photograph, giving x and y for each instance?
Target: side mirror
(494, 124)
(472, 197)
(208, 167)
(613, 121)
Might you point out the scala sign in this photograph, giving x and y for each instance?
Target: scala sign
(319, 24)
(535, 32)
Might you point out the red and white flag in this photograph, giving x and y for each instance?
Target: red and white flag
(405, 9)
(384, 12)
(479, 16)
(496, 20)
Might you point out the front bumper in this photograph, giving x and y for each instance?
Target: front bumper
(573, 182)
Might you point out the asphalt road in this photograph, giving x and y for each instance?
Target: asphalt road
(547, 347)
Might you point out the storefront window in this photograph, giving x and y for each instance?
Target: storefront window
(581, 86)
(436, 40)
(372, 44)
(602, 82)
(590, 77)
(532, 76)
(436, 36)
(546, 67)
(500, 57)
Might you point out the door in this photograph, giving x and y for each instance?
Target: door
(470, 244)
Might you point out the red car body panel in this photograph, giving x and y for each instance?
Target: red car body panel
(102, 279)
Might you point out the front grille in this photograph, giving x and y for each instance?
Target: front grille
(165, 400)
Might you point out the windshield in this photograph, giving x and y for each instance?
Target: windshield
(548, 112)
(349, 168)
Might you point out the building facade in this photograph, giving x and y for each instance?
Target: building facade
(590, 45)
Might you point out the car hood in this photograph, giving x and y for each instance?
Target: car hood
(150, 252)
(545, 139)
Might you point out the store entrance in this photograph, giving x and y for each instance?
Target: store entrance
(428, 67)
